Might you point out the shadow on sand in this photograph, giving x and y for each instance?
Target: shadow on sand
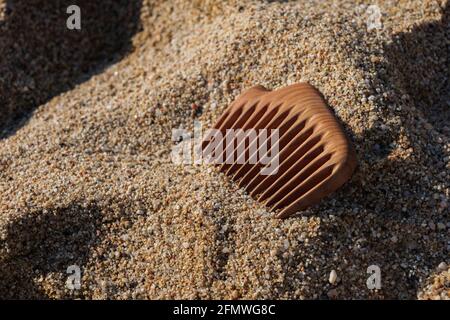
(44, 242)
(41, 57)
(385, 199)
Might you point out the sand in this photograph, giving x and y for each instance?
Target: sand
(86, 176)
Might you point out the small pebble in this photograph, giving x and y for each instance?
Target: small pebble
(333, 277)
(442, 266)
(185, 245)
(332, 294)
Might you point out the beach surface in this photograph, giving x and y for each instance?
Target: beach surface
(87, 178)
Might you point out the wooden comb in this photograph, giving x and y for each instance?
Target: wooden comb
(314, 155)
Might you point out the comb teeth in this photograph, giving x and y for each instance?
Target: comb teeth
(314, 155)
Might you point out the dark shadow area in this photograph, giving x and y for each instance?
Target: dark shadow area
(395, 238)
(420, 62)
(380, 225)
(389, 204)
(43, 242)
(41, 57)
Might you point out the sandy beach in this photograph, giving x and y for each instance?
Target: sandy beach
(87, 179)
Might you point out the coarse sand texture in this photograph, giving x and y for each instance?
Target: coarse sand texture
(87, 177)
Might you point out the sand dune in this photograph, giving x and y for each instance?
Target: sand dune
(86, 176)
